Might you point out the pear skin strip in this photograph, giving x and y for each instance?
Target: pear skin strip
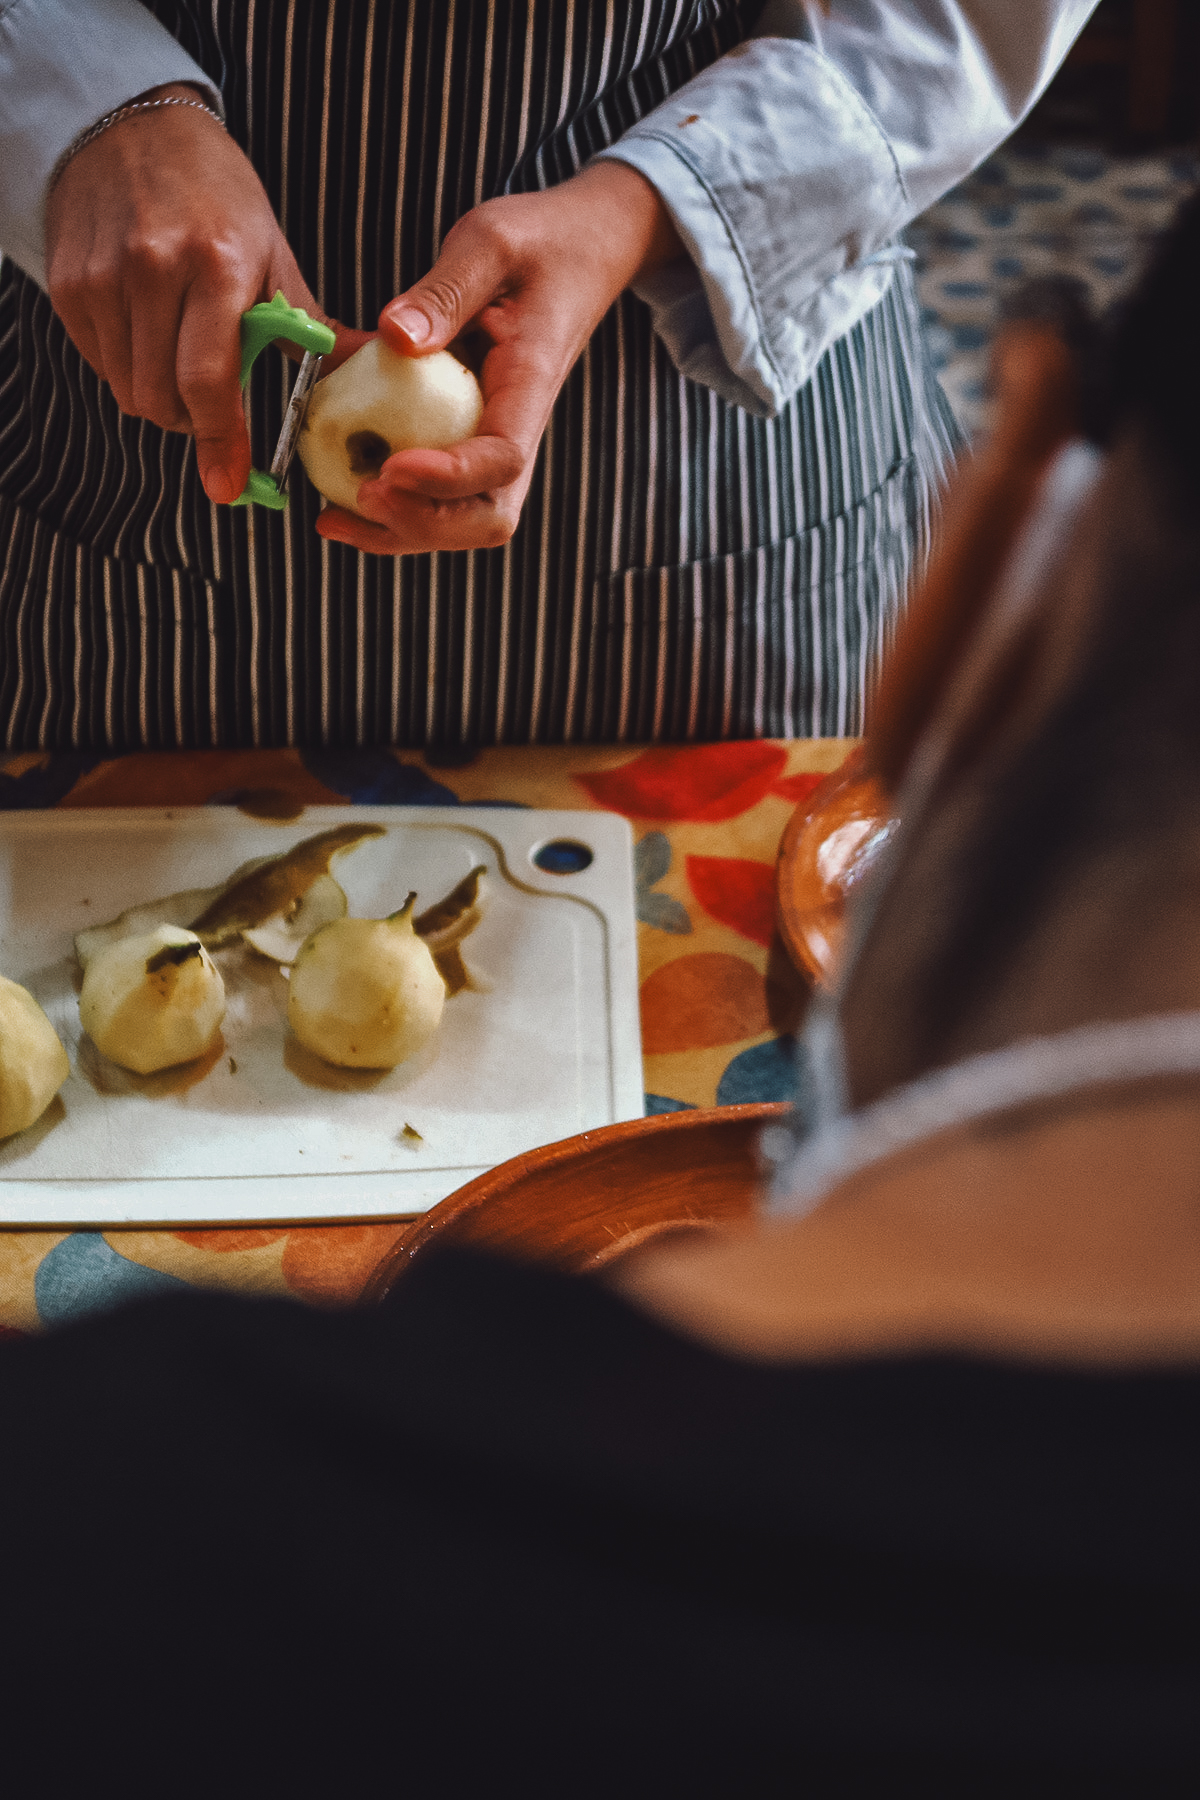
(450, 920)
(272, 890)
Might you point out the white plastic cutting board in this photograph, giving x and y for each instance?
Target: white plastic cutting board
(263, 1131)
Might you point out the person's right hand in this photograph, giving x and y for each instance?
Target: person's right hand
(158, 237)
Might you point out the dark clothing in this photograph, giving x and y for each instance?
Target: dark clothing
(507, 1535)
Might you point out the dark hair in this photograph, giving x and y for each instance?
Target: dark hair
(1101, 780)
(1154, 360)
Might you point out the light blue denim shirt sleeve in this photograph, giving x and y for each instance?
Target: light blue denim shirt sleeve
(790, 166)
(63, 65)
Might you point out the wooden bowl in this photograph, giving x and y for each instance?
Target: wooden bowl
(828, 844)
(582, 1203)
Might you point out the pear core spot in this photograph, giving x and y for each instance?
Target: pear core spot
(171, 955)
(367, 452)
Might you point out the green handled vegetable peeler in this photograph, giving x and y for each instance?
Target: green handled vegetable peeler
(264, 324)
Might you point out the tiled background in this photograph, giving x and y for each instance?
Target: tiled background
(1034, 209)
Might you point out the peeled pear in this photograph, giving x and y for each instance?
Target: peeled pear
(33, 1063)
(366, 993)
(154, 1000)
(379, 402)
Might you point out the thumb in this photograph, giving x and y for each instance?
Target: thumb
(223, 459)
(466, 276)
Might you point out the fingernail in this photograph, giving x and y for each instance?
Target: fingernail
(414, 324)
(219, 486)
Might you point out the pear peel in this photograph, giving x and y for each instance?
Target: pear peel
(152, 1001)
(281, 937)
(378, 403)
(33, 1063)
(366, 993)
(136, 921)
(445, 924)
(263, 892)
(267, 897)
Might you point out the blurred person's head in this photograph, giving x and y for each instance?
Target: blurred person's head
(1001, 1141)
(1053, 875)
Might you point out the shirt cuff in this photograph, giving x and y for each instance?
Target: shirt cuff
(63, 65)
(785, 191)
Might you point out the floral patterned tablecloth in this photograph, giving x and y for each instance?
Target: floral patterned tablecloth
(719, 999)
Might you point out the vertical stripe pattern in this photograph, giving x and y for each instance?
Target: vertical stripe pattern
(682, 569)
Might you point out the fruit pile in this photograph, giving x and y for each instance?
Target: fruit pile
(362, 993)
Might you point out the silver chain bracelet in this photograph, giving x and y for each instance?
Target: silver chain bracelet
(130, 110)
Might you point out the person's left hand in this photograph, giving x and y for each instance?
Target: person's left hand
(533, 274)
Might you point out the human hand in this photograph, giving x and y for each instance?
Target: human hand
(159, 235)
(533, 275)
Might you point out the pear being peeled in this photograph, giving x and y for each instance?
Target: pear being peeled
(33, 1063)
(377, 403)
(151, 1001)
(366, 993)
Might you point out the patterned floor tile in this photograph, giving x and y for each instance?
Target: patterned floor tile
(1034, 210)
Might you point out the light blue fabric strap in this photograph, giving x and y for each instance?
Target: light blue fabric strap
(1026, 1073)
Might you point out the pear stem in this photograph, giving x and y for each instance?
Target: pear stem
(404, 913)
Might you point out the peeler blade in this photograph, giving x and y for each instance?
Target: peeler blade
(293, 419)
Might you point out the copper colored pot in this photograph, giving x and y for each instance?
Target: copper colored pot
(828, 844)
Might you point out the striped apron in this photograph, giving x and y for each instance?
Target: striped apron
(682, 570)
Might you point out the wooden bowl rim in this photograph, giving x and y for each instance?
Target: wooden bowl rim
(474, 1195)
